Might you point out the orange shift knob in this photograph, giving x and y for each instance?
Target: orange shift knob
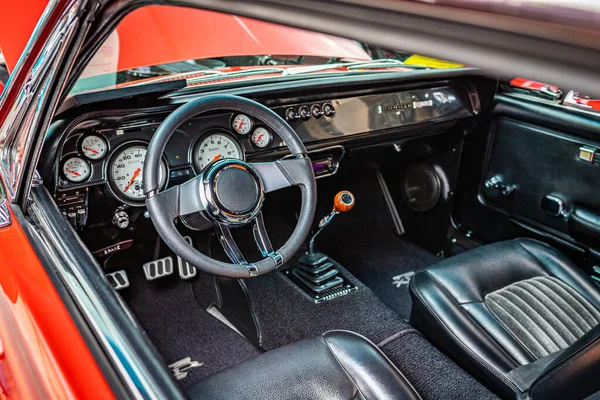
(343, 201)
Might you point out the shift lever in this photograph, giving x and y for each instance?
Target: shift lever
(316, 271)
(342, 202)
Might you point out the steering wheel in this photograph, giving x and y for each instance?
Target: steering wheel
(230, 192)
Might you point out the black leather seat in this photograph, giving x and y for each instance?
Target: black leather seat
(518, 315)
(336, 365)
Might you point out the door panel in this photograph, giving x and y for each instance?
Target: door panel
(531, 147)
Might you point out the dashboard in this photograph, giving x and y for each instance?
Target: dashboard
(104, 150)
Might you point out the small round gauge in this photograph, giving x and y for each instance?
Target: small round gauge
(214, 147)
(76, 169)
(93, 147)
(242, 124)
(125, 172)
(261, 137)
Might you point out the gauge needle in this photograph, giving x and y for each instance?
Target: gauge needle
(74, 172)
(216, 158)
(135, 174)
(240, 125)
(92, 150)
(259, 138)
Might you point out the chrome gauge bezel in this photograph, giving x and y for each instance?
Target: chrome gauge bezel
(268, 132)
(233, 128)
(199, 140)
(81, 151)
(69, 157)
(114, 190)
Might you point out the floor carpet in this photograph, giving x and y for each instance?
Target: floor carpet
(364, 241)
(179, 328)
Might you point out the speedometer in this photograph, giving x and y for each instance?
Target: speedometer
(125, 172)
(214, 147)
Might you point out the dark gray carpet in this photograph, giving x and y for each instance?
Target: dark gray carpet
(286, 314)
(432, 374)
(179, 327)
(363, 241)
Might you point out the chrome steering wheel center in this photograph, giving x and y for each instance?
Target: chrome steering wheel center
(232, 192)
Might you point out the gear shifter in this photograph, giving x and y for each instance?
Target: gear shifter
(316, 270)
(342, 202)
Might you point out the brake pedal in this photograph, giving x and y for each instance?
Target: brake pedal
(186, 271)
(158, 268)
(118, 280)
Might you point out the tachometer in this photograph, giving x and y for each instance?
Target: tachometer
(93, 147)
(214, 147)
(242, 124)
(125, 172)
(76, 169)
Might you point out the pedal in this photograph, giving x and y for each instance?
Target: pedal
(186, 271)
(158, 268)
(118, 280)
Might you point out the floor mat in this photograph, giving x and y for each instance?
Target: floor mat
(365, 243)
(180, 328)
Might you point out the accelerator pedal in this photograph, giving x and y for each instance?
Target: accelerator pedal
(158, 268)
(118, 280)
(186, 271)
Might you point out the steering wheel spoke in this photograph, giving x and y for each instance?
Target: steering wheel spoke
(296, 171)
(229, 244)
(261, 237)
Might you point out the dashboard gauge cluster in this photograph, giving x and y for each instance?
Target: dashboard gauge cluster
(114, 157)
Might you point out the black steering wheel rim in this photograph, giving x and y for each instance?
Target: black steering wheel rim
(299, 173)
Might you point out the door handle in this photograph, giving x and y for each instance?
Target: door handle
(495, 182)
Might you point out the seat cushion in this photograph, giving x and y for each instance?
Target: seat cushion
(336, 365)
(502, 306)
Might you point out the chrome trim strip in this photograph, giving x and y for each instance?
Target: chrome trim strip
(252, 270)
(84, 293)
(277, 258)
(5, 219)
(18, 133)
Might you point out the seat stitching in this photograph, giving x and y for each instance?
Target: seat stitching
(576, 296)
(531, 317)
(525, 330)
(572, 312)
(511, 333)
(473, 355)
(567, 315)
(539, 303)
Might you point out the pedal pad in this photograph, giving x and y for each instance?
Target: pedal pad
(186, 271)
(158, 268)
(118, 280)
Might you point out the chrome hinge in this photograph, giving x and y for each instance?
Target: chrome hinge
(37, 179)
(5, 219)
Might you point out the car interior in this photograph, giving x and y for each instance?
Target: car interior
(419, 233)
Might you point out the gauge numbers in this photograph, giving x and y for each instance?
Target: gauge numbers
(125, 172)
(214, 147)
(242, 124)
(261, 138)
(76, 169)
(93, 147)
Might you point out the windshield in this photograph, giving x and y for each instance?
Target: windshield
(166, 41)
